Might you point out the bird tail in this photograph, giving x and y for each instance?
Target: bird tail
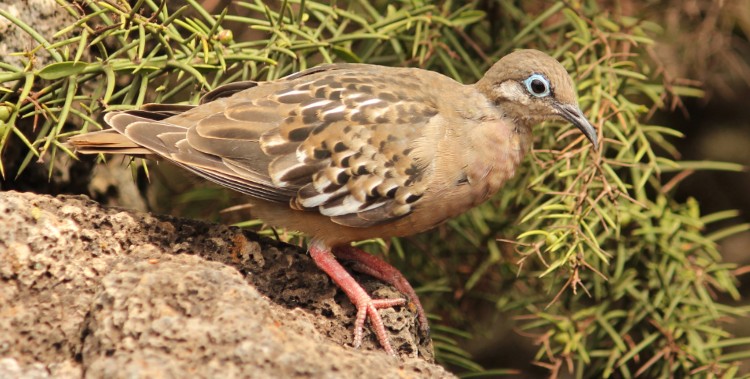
(108, 141)
(111, 141)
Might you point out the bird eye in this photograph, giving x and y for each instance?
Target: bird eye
(537, 85)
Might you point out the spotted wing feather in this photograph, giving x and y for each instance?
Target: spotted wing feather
(357, 133)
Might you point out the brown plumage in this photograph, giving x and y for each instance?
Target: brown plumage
(347, 152)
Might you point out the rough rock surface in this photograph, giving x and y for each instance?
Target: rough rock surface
(47, 18)
(88, 291)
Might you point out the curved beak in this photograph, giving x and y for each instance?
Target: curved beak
(574, 114)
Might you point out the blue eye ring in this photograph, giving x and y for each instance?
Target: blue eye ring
(537, 85)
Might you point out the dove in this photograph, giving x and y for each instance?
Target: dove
(349, 152)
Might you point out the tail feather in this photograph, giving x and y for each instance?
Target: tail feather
(111, 141)
(108, 142)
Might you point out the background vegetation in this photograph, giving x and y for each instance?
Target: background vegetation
(589, 258)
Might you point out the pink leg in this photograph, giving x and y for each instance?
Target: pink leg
(380, 269)
(366, 306)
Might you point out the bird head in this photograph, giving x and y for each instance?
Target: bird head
(529, 86)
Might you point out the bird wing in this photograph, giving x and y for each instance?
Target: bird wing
(346, 142)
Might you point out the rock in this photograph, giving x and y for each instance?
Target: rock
(106, 292)
(47, 17)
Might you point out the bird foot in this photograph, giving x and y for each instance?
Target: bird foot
(366, 306)
(371, 265)
(369, 307)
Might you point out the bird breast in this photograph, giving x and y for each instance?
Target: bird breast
(477, 168)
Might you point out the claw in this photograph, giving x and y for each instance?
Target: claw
(369, 307)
